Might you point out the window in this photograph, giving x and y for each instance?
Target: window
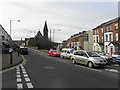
(94, 39)
(3, 37)
(106, 28)
(95, 32)
(116, 26)
(106, 49)
(106, 37)
(97, 39)
(110, 37)
(116, 36)
(102, 30)
(110, 28)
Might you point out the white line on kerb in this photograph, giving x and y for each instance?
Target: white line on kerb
(29, 85)
(19, 86)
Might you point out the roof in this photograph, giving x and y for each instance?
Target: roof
(107, 23)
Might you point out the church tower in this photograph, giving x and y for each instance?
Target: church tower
(45, 30)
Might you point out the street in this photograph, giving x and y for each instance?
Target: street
(41, 71)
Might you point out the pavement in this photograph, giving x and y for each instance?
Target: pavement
(6, 61)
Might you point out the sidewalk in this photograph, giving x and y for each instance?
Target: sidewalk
(6, 60)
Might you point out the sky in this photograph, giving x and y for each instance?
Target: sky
(64, 17)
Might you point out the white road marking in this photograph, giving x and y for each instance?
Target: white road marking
(27, 79)
(29, 85)
(17, 70)
(18, 76)
(88, 68)
(22, 67)
(19, 79)
(24, 72)
(19, 86)
(112, 70)
(18, 73)
(25, 75)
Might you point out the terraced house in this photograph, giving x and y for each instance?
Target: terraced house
(82, 40)
(106, 37)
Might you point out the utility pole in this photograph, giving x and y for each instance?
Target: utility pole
(11, 48)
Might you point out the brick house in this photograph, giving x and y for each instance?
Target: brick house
(82, 40)
(105, 37)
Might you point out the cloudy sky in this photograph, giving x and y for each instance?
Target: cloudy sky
(70, 16)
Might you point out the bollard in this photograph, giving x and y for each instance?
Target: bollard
(11, 59)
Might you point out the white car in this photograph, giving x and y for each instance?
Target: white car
(67, 52)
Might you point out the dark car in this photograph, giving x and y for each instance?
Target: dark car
(117, 60)
(23, 51)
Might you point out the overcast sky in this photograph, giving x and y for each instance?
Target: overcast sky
(70, 17)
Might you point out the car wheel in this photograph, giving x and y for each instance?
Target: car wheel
(62, 56)
(90, 64)
(73, 61)
(53, 55)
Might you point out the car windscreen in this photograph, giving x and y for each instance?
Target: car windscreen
(92, 54)
(71, 51)
(101, 53)
(25, 49)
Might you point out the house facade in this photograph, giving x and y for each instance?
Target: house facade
(4, 37)
(106, 37)
(82, 40)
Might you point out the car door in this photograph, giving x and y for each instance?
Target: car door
(68, 54)
(83, 57)
(77, 56)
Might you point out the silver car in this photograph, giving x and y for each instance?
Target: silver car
(89, 58)
(103, 55)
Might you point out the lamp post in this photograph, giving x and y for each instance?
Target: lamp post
(10, 50)
(54, 33)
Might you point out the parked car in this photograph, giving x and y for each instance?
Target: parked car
(53, 53)
(103, 55)
(89, 58)
(67, 52)
(117, 60)
(23, 51)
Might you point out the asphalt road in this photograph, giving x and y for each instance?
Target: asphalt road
(41, 71)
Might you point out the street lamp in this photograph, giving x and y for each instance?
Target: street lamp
(10, 50)
(53, 33)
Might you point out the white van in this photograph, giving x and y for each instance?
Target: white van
(67, 52)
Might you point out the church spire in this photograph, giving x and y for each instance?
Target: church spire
(45, 30)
